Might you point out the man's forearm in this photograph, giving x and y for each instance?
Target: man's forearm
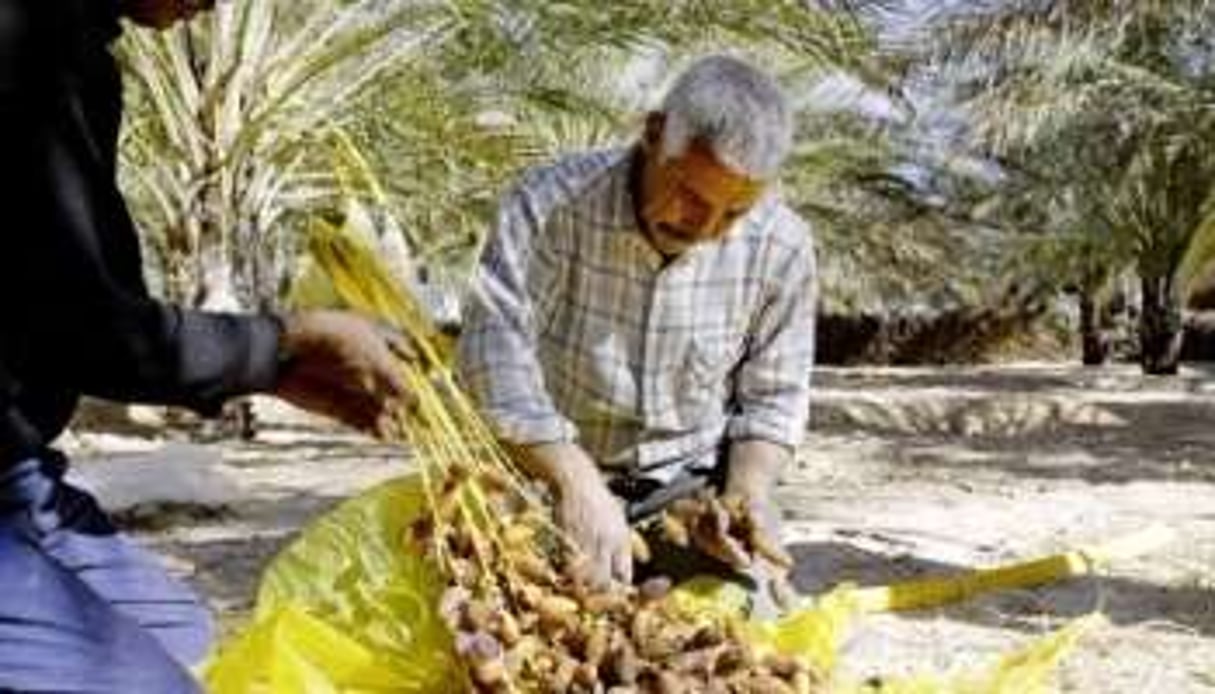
(754, 466)
(559, 465)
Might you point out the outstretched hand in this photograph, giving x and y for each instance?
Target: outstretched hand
(736, 530)
(343, 366)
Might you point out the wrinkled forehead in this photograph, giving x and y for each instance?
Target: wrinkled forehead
(701, 168)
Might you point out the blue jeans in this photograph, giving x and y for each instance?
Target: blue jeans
(82, 608)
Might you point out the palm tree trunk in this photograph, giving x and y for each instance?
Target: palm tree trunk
(215, 289)
(1093, 343)
(215, 282)
(1160, 326)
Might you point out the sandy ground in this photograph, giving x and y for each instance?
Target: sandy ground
(905, 472)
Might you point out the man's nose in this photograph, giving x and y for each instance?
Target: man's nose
(706, 223)
(696, 216)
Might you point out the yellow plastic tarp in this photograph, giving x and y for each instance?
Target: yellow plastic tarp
(349, 608)
(345, 605)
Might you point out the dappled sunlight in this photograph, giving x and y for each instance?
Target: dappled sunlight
(917, 472)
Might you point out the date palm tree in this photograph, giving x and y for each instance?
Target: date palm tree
(1104, 110)
(233, 119)
(236, 119)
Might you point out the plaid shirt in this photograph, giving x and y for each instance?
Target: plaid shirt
(579, 330)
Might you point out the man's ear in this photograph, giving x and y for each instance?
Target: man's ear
(655, 121)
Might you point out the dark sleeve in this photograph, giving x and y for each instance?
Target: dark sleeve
(73, 287)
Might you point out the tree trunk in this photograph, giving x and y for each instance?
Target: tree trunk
(1160, 326)
(215, 289)
(1093, 341)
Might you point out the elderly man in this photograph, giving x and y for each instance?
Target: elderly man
(645, 320)
(82, 609)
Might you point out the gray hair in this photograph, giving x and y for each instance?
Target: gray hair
(738, 110)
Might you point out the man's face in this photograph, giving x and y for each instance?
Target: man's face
(162, 14)
(691, 198)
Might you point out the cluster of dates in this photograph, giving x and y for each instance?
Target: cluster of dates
(522, 624)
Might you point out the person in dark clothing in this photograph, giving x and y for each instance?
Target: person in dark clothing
(81, 608)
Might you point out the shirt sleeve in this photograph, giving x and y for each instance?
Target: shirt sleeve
(498, 349)
(772, 386)
(73, 290)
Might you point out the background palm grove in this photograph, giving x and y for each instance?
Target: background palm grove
(982, 176)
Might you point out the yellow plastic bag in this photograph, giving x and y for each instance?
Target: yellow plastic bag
(291, 651)
(348, 609)
(347, 605)
(1025, 671)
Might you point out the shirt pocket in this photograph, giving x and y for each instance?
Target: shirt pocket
(709, 369)
(608, 387)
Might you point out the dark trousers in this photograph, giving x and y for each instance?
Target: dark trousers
(83, 609)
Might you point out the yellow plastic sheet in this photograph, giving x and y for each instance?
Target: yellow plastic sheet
(347, 609)
(1026, 671)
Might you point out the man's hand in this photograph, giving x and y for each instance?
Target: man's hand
(594, 519)
(162, 14)
(770, 565)
(587, 511)
(736, 530)
(754, 467)
(343, 366)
